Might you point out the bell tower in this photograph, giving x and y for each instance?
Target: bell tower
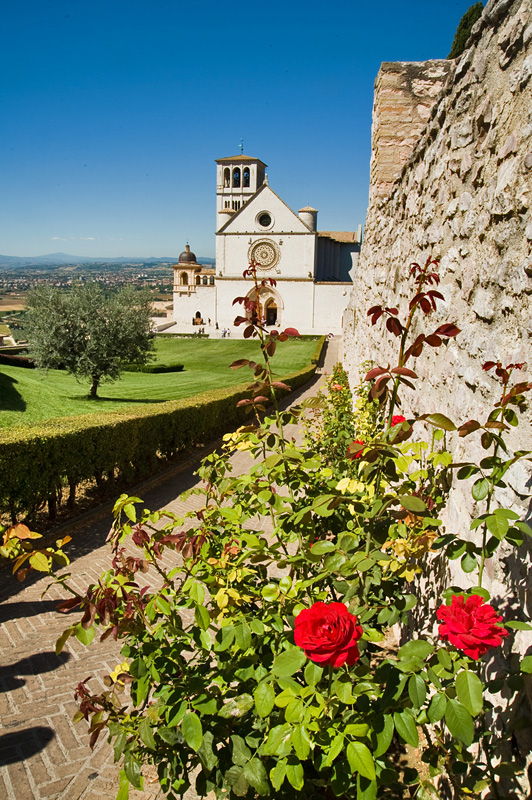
(237, 179)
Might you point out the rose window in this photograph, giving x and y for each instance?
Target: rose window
(265, 254)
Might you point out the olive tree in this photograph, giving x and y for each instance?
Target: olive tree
(89, 332)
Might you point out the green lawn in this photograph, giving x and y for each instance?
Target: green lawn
(30, 396)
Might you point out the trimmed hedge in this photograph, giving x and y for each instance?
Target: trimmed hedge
(154, 368)
(17, 361)
(37, 463)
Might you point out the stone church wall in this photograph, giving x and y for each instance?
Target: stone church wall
(462, 194)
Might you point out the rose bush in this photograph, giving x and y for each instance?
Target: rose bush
(313, 552)
(471, 625)
(328, 634)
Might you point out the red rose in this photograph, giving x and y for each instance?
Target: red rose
(397, 419)
(328, 634)
(358, 450)
(471, 625)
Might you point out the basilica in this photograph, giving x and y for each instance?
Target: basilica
(312, 269)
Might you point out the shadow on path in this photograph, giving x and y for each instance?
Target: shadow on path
(36, 664)
(23, 744)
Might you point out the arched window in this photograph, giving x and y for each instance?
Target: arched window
(236, 178)
(184, 279)
(246, 178)
(198, 280)
(205, 280)
(227, 178)
(211, 280)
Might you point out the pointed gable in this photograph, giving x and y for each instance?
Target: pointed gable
(264, 202)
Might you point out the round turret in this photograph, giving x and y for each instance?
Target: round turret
(309, 216)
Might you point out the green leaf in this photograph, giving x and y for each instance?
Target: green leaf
(278, 741)
(498, 525)
(278, 774)
(288, 662)
(243, 636)
(460, 722)
(313, 673)
(417, 690)
(406, 727)
(412, 503)
(201, 615)
(236, 707)
(342, 688)
(517, 625)
(437, 708)
(526, 665)
(294, 710)
(63, 639)
(264, 696)
(468, 562)
(417, 649)
(320, 548)
(300, 742)
(361, 760)
(235, 778)
(366, 789)
(469, 690)
(480, 489)
(336, 747)
(439, 421)
(197, 593)
(241, 752)
(130, 512)
(146, 734)
(84, 635)
(209, 759)
(40, 562)
(192, 731)
(384, 729)
(255, 774)
(523, 526)
(295, 774)
(123, 791)
(119, 744)
(132, 770)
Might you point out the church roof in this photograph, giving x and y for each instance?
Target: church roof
(339, 236)
(308, 208)
(240, 157)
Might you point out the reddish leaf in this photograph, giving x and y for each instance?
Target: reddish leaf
(416, 348)
(261, 399)
(239, 300)
(394, 326)
(67, 605)
(374, 373)
(447, 331)
(436, 295)
(433, 340)
(291, 332)
(468, 427)
(415, 300)
(374, 310)
(280, 385)
(249, 331)
(270, 348)
(240, 363)
(404, 371)
(393, 311)
(426, 305)
(246, 402)
(240, 320)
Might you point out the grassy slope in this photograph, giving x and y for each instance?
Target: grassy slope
(30, 396)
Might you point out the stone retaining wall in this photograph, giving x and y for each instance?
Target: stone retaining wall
(464, 197)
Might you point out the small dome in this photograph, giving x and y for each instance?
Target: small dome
(187, 256)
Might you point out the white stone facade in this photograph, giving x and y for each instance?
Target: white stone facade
(312, 270)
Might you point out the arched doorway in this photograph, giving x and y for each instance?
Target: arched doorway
(269, 307)
(270, 311)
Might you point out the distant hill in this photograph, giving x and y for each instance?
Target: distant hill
(64, 259)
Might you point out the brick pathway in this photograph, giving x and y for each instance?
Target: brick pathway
(43, 754)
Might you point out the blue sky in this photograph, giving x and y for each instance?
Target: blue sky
(113, 112)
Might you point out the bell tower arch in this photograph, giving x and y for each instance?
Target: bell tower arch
(237, 179)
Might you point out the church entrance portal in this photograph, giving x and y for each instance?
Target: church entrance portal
(271, 312)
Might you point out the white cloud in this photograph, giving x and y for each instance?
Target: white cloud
(87, 238)
(58, 239)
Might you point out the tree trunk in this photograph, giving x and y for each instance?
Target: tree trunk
(94, 387)
(72, 485)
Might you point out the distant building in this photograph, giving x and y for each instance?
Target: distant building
(312, 268)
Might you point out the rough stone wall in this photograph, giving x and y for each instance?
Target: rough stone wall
(464, 197)
(405, 93)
